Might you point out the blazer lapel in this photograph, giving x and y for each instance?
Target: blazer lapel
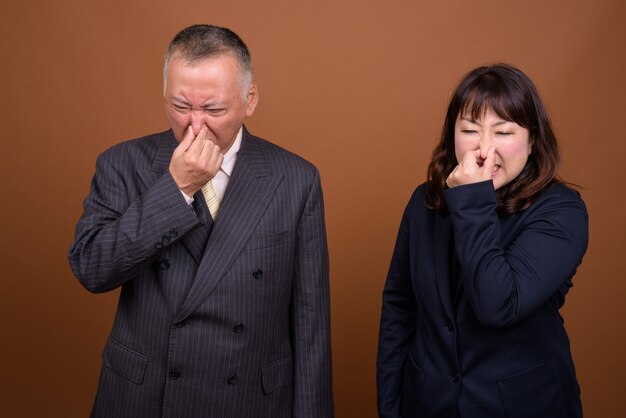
(251, 188)
(166, 144)
(195, 240)
(443, 232)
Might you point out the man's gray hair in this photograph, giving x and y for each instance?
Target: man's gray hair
(204, 41)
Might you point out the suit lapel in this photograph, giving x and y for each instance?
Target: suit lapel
(443, 232)
(195, 240)
(165, 146)
(250, 190)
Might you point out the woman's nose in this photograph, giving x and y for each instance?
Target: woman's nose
(486, 141)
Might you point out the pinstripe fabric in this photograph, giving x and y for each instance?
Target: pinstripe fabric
(215, 319)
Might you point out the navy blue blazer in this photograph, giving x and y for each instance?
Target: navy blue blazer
(496, 345)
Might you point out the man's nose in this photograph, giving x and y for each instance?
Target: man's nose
(197, 121)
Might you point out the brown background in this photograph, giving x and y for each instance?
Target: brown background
(357, 87)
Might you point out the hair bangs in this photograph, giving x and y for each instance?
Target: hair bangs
(493, 93)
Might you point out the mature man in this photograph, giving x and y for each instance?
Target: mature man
(217, 239)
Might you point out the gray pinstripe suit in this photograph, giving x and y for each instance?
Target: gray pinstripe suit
(215, 319)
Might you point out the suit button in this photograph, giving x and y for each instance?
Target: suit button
(174, 374)
(180, 324)
(164, 264)
(456, 378)
(258, 274)
(173, 233)
(449, 327)
(158, 245)
(238, 328)
(232, 379)
(165, 239)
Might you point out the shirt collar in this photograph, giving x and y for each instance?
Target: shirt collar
(228, 163)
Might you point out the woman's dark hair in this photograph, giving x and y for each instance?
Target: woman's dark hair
(512, 96)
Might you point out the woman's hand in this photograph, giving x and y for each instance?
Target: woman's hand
(473, 168)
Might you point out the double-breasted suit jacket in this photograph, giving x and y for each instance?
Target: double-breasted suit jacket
(224, 318)
(492, 342)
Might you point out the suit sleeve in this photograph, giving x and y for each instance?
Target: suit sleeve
(118, 232)
(310, 312)
(397, 323)
(504, 285)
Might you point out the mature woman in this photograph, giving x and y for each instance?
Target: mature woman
(484, 257)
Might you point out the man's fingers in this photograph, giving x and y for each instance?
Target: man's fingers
(209, 147)
(216, 161)
(187, 141)
(199, 143)
(196, 160)
(212, 157)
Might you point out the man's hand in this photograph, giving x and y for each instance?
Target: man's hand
(472, 168)
(195, 161)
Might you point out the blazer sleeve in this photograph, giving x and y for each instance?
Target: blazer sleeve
(121, 229)
(504, 285)
(397, 323)
(310, 312)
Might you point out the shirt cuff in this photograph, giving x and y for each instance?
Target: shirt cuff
(188, 199)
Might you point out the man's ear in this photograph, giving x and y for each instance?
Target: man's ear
(252, 100)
